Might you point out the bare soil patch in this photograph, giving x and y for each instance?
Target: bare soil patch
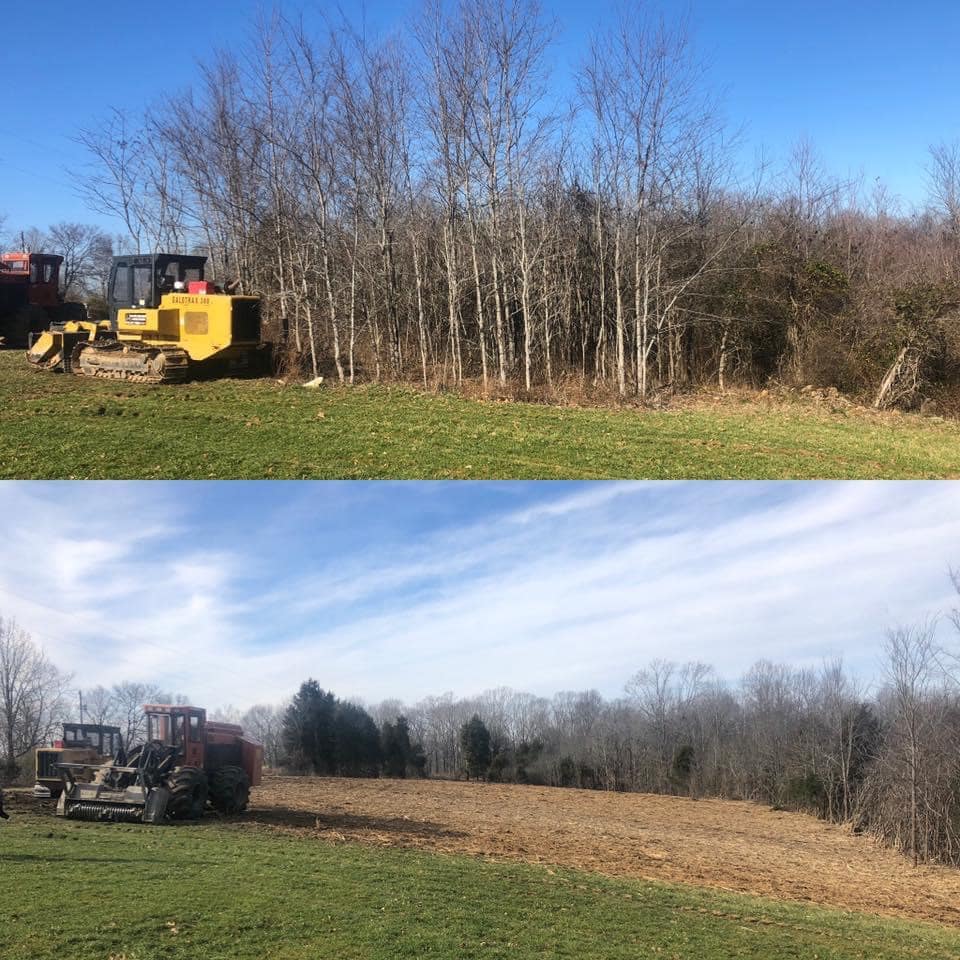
(729, 845)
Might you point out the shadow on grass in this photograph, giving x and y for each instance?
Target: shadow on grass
(72, 858)
(347, 823)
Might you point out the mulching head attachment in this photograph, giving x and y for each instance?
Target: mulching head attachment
(106, 800)
(112, 810)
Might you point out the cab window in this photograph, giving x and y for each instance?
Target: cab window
(141, 284)
(121, 285)
(194, 729)
(169, 276)
(157, 727)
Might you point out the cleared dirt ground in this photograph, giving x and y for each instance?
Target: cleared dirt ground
(729, 845)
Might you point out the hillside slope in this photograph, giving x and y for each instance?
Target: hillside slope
(729, 845)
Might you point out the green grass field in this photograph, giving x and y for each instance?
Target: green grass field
(55, 426)
(82, 890)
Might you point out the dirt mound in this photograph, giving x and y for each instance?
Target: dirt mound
(20, 800)
(730, 845)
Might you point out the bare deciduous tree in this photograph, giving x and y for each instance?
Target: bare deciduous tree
(86, 252)
(32, 694)
(424, 207)
(912, 670)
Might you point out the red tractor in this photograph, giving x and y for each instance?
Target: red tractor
(185, 762)
(30, 296)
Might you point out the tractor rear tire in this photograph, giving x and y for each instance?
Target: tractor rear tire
(188, 793)
(229, 790)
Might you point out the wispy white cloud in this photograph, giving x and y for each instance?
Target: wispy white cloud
(112, 591)
(562, 588)
(588, 497)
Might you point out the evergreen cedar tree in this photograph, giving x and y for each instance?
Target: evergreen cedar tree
(399, 755)
(475, 741)
(324, 735)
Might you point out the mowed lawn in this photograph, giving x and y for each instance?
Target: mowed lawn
(56, 426)
(83, 890)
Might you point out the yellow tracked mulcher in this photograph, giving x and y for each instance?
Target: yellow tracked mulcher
(165, 319)
(91, 743)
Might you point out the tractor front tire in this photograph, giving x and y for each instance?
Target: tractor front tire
(229, 790)
(188, 793)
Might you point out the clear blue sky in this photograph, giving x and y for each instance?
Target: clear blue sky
(871, 82)
(234, 593)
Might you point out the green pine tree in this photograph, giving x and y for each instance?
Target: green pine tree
(475, 741)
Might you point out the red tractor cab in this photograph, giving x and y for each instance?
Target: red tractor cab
(228, 761)
(30, 296)
(40, 272)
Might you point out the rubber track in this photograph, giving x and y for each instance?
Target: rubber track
(174, 370)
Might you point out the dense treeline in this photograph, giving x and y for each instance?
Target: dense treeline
(427, 207)
(885, 762)
(806, 739)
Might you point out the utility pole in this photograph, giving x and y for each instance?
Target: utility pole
(80, 692)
